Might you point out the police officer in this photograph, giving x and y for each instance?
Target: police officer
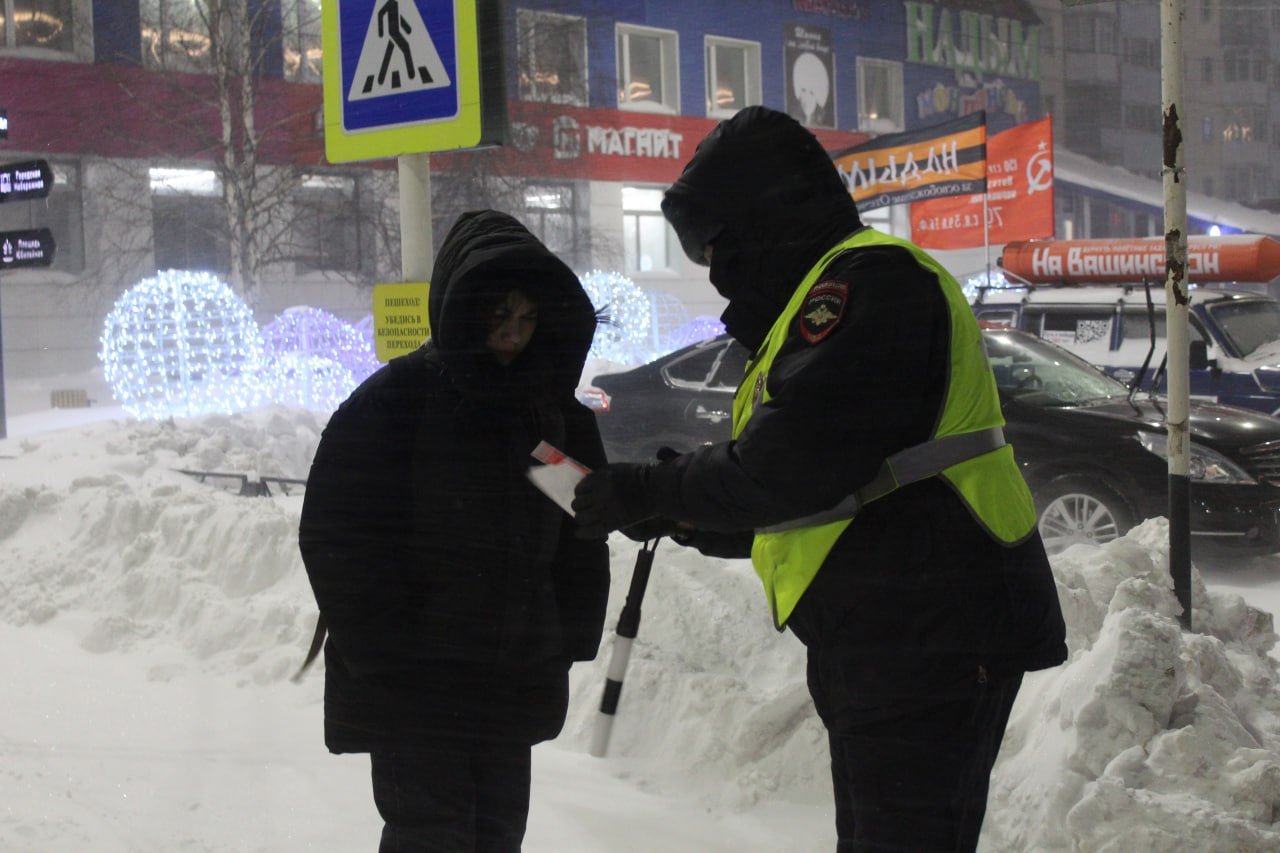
(867, 478)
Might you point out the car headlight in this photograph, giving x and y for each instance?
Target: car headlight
(1206, 465)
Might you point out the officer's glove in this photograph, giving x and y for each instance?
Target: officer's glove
(611, 498)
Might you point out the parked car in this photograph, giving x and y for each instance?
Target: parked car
(1093, 455)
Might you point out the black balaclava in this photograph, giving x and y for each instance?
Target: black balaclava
(763, 192)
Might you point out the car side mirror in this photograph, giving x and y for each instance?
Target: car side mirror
(1199, 355)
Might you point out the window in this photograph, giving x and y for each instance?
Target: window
(550, 212)
(880, 108)
(648, 74)
(731, 368)
(647, 236)
(1238, 183)
(551, 54)
(188, 220)
(694, 370)
(325, 231)
(300, 37)
(1142, 117)
(37, 23)
(1074, 327)
(1244, 124)
(61, 213)
(1143, 52)
(1244, 65)
(1206, 71)
(175, 35)
(733, 75)
(1089, 33)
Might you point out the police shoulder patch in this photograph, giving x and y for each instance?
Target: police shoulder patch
(822, 309)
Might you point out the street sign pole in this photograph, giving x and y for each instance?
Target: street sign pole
(416, 250)
(1176, 305)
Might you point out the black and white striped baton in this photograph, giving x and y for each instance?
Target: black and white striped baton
(628, 626)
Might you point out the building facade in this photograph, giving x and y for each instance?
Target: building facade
(1101, 66)
(165, 159)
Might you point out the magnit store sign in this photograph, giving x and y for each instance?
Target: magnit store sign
(607, 145)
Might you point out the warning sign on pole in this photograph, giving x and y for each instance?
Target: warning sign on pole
(399, 318)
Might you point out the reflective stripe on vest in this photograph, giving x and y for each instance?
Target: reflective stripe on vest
(967, 447)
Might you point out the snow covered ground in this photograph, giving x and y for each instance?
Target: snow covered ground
(149, 625)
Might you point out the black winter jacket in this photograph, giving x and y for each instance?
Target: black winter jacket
(915, 597)
(455, 593)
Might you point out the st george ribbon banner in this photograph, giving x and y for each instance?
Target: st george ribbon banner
(942, 160)
(1019, 196)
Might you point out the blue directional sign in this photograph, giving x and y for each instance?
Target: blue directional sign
(400, 76)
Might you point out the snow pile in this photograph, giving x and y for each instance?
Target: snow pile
(98, 523)
(1148, 738)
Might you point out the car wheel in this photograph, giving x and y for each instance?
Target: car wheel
(1075, 510)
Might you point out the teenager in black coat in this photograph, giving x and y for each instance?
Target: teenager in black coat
(456, 595)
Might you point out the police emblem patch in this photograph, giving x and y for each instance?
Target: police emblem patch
(822, 309)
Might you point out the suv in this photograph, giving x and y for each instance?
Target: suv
(1234, 335)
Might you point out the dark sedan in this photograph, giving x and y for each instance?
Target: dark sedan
(1094, 457)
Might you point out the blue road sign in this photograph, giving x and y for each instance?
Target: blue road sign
(399, 62)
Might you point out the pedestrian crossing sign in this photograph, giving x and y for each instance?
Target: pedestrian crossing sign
(400, 77)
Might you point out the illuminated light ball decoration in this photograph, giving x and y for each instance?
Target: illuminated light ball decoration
(667, 314)
(308, 381)
(701, 328)
(180, 344)
(364, 328)
(623, 337)
(313, 358)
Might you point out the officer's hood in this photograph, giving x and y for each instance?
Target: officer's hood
(761, 189)
(486, 254)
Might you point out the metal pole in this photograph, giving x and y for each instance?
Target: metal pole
(1176, 304)
(628, 627)
(416, 250)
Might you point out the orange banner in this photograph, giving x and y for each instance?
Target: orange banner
(932, 162)
(1236, 257)
(1019, 195)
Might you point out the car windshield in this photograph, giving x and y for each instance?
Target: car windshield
(1035, 371)
(1249, 324)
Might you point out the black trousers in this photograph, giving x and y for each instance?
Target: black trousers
(918, 781)
(453, 802)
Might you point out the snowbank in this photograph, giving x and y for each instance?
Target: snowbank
(1148, 738)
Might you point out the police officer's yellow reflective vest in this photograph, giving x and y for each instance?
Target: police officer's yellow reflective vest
(967, 447)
